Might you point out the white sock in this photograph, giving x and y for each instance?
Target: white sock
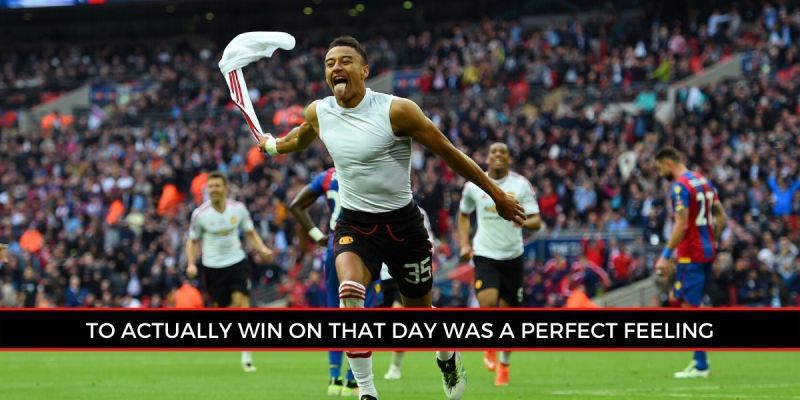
(444, 355)
(361, 365)
(352, 295)
(397, 358)
(247, 357)
(504, 357)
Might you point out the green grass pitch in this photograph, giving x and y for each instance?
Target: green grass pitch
(303, 375)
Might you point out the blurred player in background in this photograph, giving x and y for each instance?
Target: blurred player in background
(214, 230)
(498, 247)
(326, 184)
(368, 135)
(699, 221)
(391, 299)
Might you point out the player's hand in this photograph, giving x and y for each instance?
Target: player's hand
(663, 267)
(191, 271)
(466, 253)
(266, 143)
(266, 254)
(3, 253)
(510, 209)
(323, 241)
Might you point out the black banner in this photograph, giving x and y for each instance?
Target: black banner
(408, 329)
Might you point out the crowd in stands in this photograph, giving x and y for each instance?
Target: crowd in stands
(96, 206)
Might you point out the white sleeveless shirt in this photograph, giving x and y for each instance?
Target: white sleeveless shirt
(372, 163)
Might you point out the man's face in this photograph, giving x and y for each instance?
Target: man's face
(345, 72)
(499, 157)
(664, 168)
(217, 190)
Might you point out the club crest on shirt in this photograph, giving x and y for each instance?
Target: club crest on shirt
(478, 284)
(346, 240)
(233, 220)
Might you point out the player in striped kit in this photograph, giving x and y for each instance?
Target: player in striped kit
(498, 248)
(368, 135)
(215, 230)
(327, 185)
(699, 221)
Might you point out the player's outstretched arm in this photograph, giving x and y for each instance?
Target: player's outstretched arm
(408, 120)
(299, 208)
(297, 139)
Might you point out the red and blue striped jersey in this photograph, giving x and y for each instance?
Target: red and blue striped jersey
(693, 191)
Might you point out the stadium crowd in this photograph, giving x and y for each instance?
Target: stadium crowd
(96, 206)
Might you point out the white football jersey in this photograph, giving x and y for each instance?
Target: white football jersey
(218, 232)
(497, 238)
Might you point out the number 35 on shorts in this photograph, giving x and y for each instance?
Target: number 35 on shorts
(418, 272)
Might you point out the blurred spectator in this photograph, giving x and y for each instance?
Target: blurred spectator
(75, 294)
(315, 290)
(187, 296)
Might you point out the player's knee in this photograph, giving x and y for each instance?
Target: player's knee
(350, 267)
(352, 294)
(487, 298)
(239, 300)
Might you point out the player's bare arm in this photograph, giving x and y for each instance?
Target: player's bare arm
(678, 232)
(408, 120)
(191, 255)
(463, 236)
(255, 242)
(720, 218)
(297, 139)
(299, 208)
(533, 222)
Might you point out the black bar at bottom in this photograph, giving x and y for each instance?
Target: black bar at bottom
(400, 329)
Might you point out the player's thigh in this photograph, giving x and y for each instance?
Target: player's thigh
(512, 277)
(357, 252)
(411, 268)
(410, 260)
(487, 281)
(690, 283)
(217, 287)
(238, 283)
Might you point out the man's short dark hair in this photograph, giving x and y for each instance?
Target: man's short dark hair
(349, 41)
(669, 153)
(218, 175)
